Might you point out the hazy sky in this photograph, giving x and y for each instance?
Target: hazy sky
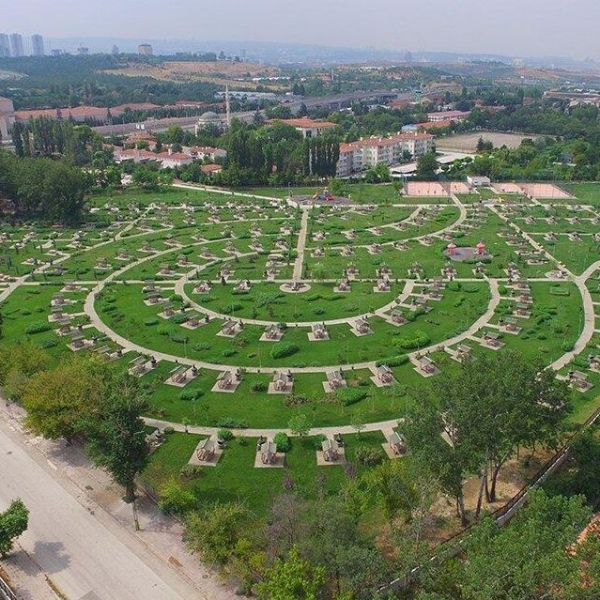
(513, 27)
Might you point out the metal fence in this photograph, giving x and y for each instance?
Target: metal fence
(452, 546)
(6, 592)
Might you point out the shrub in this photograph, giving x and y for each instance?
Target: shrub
(179, 338)
(394, 361)
(232, 423)
(226, 435)
(174, 499)
(283, 349)
(48, 343)
(191, 394)
(259, 386)
(368, 457)
(38, 327)
(178, 318)
(350, 395)
(283, 442)
(201, 346)
(419, 340)
(190, 471)
(151, 322)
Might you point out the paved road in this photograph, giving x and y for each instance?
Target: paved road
(85, 553)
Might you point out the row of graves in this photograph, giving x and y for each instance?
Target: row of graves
(78, 334)
(522, 248)
(422, 294)
(579, 379)
(209, 450)
(521, 301)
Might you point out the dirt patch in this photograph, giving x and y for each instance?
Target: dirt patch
(467, 142)
(513, 476)
(197, 71)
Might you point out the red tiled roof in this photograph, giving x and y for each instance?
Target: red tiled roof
(305, 123)
(77, 112)
(384, 141)
(208, 169)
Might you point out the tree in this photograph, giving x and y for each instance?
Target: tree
(526, 560)
(292, 578)
(13, 522)
(427, 166)
(174, 499)
(392, 482)
(117, 440)
(18, 363)
(448, 458)
(214, 532)
(501, 403)
(486, 412)
(60, 401)
(300, 425)
(146, 178)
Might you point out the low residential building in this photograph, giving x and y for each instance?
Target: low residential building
(137, 156)
(448, 115)
(211, 169)
(167, 160)
(205, 152)
(309, 128)
(370, 152)
(135, 138)
(170, 160)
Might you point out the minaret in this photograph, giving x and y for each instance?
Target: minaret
(227, 106)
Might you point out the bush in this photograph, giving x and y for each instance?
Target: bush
(232, 423)
(259, 386)
(283, 442)
(151, 322)
(179, 318)
(190, 471)
(394, 361)
(48, 343)
(179, 338)
(225, 434)
(350, 395)
(174, 499)
(368, 457)
(283, 349)
(38, 327)
(191, 394)
(419, 340)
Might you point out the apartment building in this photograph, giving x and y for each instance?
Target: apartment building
(363, 154)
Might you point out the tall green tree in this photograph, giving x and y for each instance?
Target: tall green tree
(427, 166)
(117, 440)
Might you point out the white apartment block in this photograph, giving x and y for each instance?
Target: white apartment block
(363, 154)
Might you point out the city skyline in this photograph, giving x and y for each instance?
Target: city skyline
(433, 25)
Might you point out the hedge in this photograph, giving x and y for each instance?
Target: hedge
(283, 349)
